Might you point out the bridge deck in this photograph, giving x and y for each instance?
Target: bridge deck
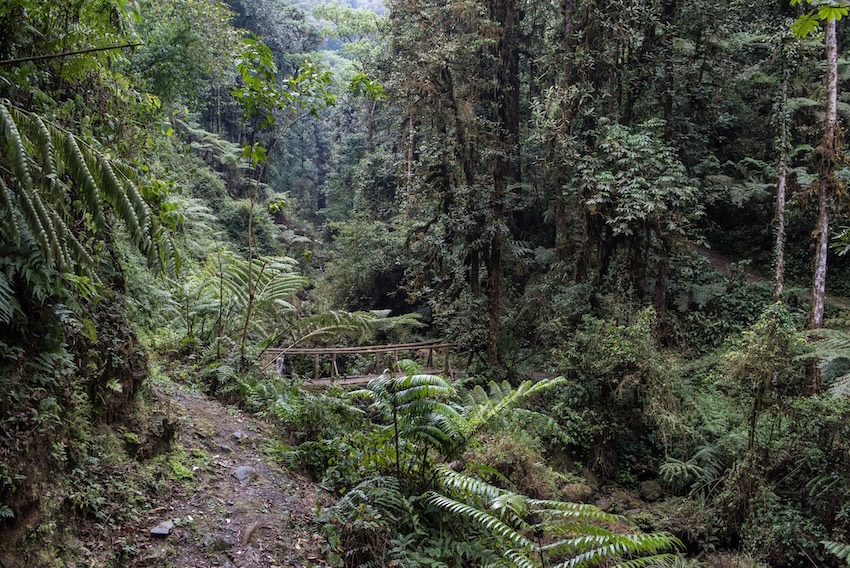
(423, 347)
(352, 380)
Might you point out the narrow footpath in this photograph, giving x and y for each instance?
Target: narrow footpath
(232, 506)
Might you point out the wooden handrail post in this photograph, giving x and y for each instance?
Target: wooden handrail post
(430, 362)
(447, 368)
(316, 366)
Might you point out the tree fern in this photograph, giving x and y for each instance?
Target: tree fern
(431, 421)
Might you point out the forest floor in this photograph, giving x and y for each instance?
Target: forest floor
(232, 506)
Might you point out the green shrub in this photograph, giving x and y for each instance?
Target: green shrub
(620, 393)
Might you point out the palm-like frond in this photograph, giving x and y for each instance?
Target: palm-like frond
(431, 417)
(830, 345)
(576, 535)
(272, 280)
(839, 549)
(8, 303)
(45, 169)
(333, 324)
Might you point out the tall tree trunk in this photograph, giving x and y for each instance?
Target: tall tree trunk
(506, 163)
(562, 237)
(827, 151)
(409, 158)
(779, 249)
(662, 285)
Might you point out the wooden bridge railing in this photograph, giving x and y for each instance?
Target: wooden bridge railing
(440, 346)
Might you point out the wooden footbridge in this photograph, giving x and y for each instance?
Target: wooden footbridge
(385, 356)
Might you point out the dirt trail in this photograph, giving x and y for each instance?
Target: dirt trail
(723, 264)
(263, 520)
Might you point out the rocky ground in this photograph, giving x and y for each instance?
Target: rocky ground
(232, 507)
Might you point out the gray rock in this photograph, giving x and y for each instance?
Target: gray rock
(245, 473)
(650, 491)
(630, 512)
(163, 528)
(603, 503)
(216, 542)
(239, 435)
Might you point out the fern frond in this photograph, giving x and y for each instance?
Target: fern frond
(334, 324)
(519, 559)
(48, 169)
(15, 149)
(454, 481)
(840, 387)
(9, 224)
(118, 197)
(481, 518)
(576, 535)
(657, 561)
(564, 509)
(838, 549)
(33, 221)
(8, 303)
(53, 250)
(84, 179)
(620, 546)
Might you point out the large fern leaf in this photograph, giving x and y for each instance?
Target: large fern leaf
(44, 171)
(568, 535)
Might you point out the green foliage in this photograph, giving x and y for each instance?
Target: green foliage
(761, 362)
(574, 535)
(53, 182)
(188, 48)
(622, 395)
(637, 183)
(260, 96)
(840, 550)
(366, 514)
(366, 269)
(826, 11)
(709, 308)
(217, 301)
(308, 416)
(425, 413)
(831, 347)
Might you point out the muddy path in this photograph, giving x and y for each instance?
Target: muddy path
(231, 504)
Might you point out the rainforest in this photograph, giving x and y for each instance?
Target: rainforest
(424, 283)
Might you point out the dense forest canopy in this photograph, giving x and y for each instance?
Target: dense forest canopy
(628, 219)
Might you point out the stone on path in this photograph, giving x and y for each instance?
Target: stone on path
(239, 435)
(245, 473)
(163, 528)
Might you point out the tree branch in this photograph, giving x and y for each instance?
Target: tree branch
(66, 54)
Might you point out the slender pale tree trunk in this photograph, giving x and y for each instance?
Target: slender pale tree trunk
(827, 151)
(779, 248)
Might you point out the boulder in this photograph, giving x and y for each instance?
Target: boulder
(650, 491)
(577, 492)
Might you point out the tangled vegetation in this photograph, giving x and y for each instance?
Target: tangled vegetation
(628, 220)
